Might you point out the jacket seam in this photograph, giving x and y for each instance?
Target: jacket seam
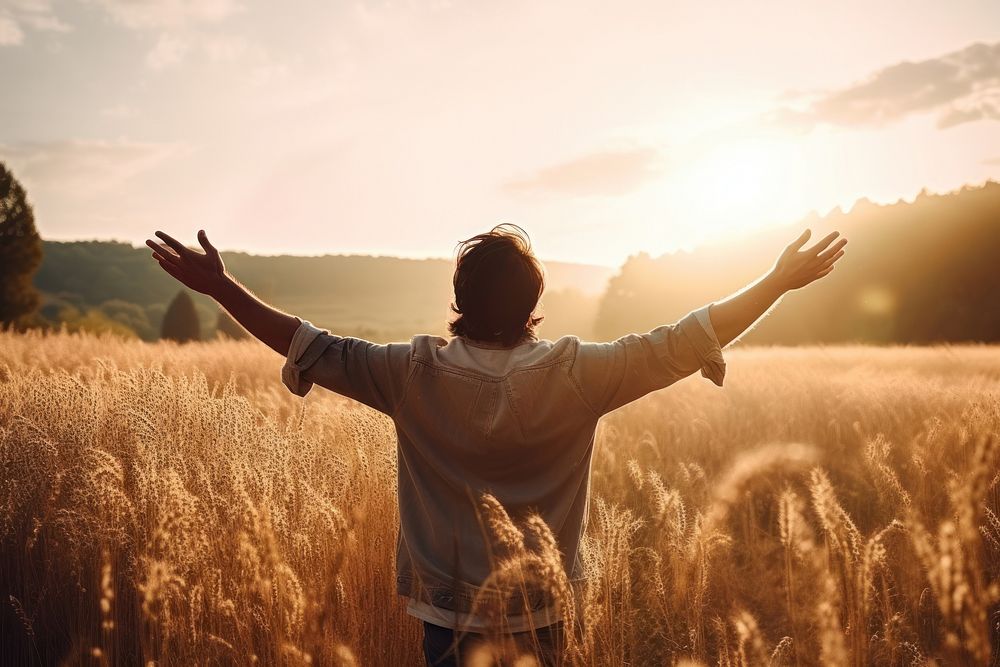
(513, 409)
(617, 361)
(578, 390)
(406, 387)
(491, 412)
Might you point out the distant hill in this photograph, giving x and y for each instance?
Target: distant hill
(381, 298)
(920, 272)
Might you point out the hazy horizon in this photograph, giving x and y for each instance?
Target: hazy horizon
(337, 253)
(749, 233)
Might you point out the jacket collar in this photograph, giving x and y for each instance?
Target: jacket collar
(527, 338)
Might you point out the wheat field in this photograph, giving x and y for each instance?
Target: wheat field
(175, 505)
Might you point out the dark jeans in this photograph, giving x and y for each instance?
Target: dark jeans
(441, 650)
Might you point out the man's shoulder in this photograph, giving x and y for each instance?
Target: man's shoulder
(546, 351)
(423, 346)
(428, 340)
(563, 344)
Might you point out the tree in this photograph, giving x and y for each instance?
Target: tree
(20, 251)
(227, 327)
(180, 322)
(130, 315)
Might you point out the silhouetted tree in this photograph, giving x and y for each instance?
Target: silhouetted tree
(180, 322)
(227, 327)
(20, 251)
(915, 272)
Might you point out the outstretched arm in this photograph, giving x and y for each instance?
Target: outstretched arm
(206, 273)
(795, 268)
(612, 374)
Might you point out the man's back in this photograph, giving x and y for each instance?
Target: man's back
(515, 422)
(508, 422)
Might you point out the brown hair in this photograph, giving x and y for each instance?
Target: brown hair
(498, 282)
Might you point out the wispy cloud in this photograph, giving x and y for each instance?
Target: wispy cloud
(16, 15)
(992, 160)
(958, 87)
(169, 50)
(181, 25)
(172, 48)
(162, 14)
(38, 15)
(603, 173)
(10, 31)
(82, 168)
(228, 48)
(118, 111)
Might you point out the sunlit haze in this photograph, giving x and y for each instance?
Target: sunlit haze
(604, 129)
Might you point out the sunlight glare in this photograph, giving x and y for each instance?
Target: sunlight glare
(742, 185)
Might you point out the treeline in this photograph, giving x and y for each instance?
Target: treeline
(102, 285)
(920, 272)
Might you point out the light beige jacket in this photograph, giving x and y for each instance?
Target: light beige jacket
(516, 422)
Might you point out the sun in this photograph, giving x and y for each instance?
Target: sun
(741, 185)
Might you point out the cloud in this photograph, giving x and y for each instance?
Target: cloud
(183, 30)
(118, 112)
(227, 48)
(217, 49)
(168, 51)
(38, 15)
(603, 173)
(992, 160)
(16, 15)
(958, 87)
(82, 168)
(177, 22)
(10, 31)
(161, 14)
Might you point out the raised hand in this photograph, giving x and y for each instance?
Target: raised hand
(797, 268)
(202, 272)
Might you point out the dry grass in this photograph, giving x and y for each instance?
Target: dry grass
(175, 506)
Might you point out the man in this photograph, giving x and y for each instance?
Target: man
(493, 410)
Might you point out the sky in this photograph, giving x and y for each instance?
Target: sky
(399, 128)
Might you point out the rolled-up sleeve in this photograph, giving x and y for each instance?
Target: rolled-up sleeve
(370, 373)
(297, 361)
(613, 374)
(709, 353)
